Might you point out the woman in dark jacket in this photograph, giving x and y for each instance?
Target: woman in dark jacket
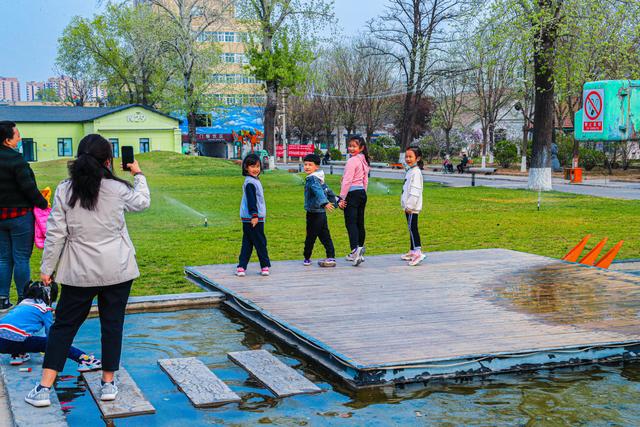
(18, 195)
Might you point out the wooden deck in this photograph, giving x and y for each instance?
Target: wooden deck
(461, 313)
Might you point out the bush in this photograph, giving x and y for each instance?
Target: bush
(335, 154)
(385, 141)
(505, 153)
(565, 150)
(377, 153)
(318, 151)
(590, 158)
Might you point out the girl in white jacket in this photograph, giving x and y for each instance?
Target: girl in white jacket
(412, 202)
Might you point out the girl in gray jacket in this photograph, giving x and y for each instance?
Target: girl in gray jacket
(89, 251)
(411, 202)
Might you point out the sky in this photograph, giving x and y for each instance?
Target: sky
(30, 30)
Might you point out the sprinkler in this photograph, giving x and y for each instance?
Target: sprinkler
(206, 223)
(539, 197)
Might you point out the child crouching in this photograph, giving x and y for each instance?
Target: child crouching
(318, 200)
(19, 326)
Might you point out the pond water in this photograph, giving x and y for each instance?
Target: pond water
(595, 395)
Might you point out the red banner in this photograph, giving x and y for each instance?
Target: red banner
(295, 150)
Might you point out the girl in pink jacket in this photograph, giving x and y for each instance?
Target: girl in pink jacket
(353, 196)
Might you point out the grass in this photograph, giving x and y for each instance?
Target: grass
(170, 236)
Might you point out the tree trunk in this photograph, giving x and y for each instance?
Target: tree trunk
(543, 62)
(525, 145)
(447, 141)
(270, 118)
(405, 131)
(193, 141)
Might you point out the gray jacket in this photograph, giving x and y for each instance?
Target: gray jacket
(93, 248)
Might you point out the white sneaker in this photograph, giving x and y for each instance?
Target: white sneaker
(240, 272)
(20, 359)
(351, 256)
(89, 363)
(108, 391)
(417, 259)
(407, 257)
(358, 256)
(39, 399)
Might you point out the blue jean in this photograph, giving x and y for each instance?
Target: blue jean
(34, 345)
(16, 246)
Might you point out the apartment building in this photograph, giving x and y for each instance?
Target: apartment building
(9, 89)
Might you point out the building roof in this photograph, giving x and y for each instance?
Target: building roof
(58, 114)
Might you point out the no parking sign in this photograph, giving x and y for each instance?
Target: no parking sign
(593, 109)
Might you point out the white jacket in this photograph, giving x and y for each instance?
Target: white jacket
(93, 248)
(412, 190)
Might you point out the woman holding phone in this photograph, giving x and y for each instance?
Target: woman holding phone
(88, 250)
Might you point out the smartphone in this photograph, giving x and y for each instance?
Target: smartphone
(127, 156)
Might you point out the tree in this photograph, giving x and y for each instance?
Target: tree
(347, 86)
(48, 95)
(192, 61)
(448, 91)
(123, 47)
(409, 32)
(280, 46)
(376, 105)
(80, 68)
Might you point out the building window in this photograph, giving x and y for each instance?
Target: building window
(65, 147)
(29, 150)
(229, 37)
(144, 145)
(229, 58)
(115, 147)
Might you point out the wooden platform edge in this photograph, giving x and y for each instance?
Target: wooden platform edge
(126, 385)
(17, 384)
(231, 397)
(294, 384)
(478, 365)
(169, 302)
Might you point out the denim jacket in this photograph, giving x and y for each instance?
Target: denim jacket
(316, 193)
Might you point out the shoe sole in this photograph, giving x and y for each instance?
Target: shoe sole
(15, 363)
(38, 403)
(264, 274)
(327, 265)
(240, 274)
(89, 369)
(108, 397)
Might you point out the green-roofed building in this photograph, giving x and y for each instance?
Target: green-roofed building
(52, 132)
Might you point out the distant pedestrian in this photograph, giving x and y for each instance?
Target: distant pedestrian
(253, 211)
(411, 202)
(327, 157)
(463, 163)
(318, 200)
(353, 197)
(19, 194)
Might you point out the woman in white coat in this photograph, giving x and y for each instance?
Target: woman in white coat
(88, 250)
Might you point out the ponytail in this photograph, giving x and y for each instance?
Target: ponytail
(363, 146)
(88, 171)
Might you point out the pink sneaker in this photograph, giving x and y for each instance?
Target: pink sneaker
(265, 271)
(240, 272)
(407, 257)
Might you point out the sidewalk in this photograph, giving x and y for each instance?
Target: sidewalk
(597, 187)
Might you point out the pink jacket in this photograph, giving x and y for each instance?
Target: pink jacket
(41, 216)
(356, 173)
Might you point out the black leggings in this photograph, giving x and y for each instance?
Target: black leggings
(72, 310)
(414, 234)
(354, 217)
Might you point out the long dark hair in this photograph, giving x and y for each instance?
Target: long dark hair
(363, 145)
(418, 153)
(38, 291)
(88, 170)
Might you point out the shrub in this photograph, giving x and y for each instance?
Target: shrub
(335, 154)
(318, 151)
(377, 152)
(590, 158)
(505, 153)
(393, 154)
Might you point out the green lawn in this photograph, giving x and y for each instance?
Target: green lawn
(168, 236)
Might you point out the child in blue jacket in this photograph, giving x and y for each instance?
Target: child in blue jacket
(318, 200)
(19, 326)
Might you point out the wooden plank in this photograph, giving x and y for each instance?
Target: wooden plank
(202, 387)
(129, 402)
(276, 376)
(18, 384)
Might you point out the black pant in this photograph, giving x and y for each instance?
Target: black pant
(34, 345)
(72, 310)
(460, 168)
(354, 217)
(253, 237)
(414, 234)
(318, 227)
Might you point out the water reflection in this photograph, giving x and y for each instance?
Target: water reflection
(596, 395)
(567, 294)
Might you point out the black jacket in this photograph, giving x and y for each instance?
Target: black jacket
(18, 188)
